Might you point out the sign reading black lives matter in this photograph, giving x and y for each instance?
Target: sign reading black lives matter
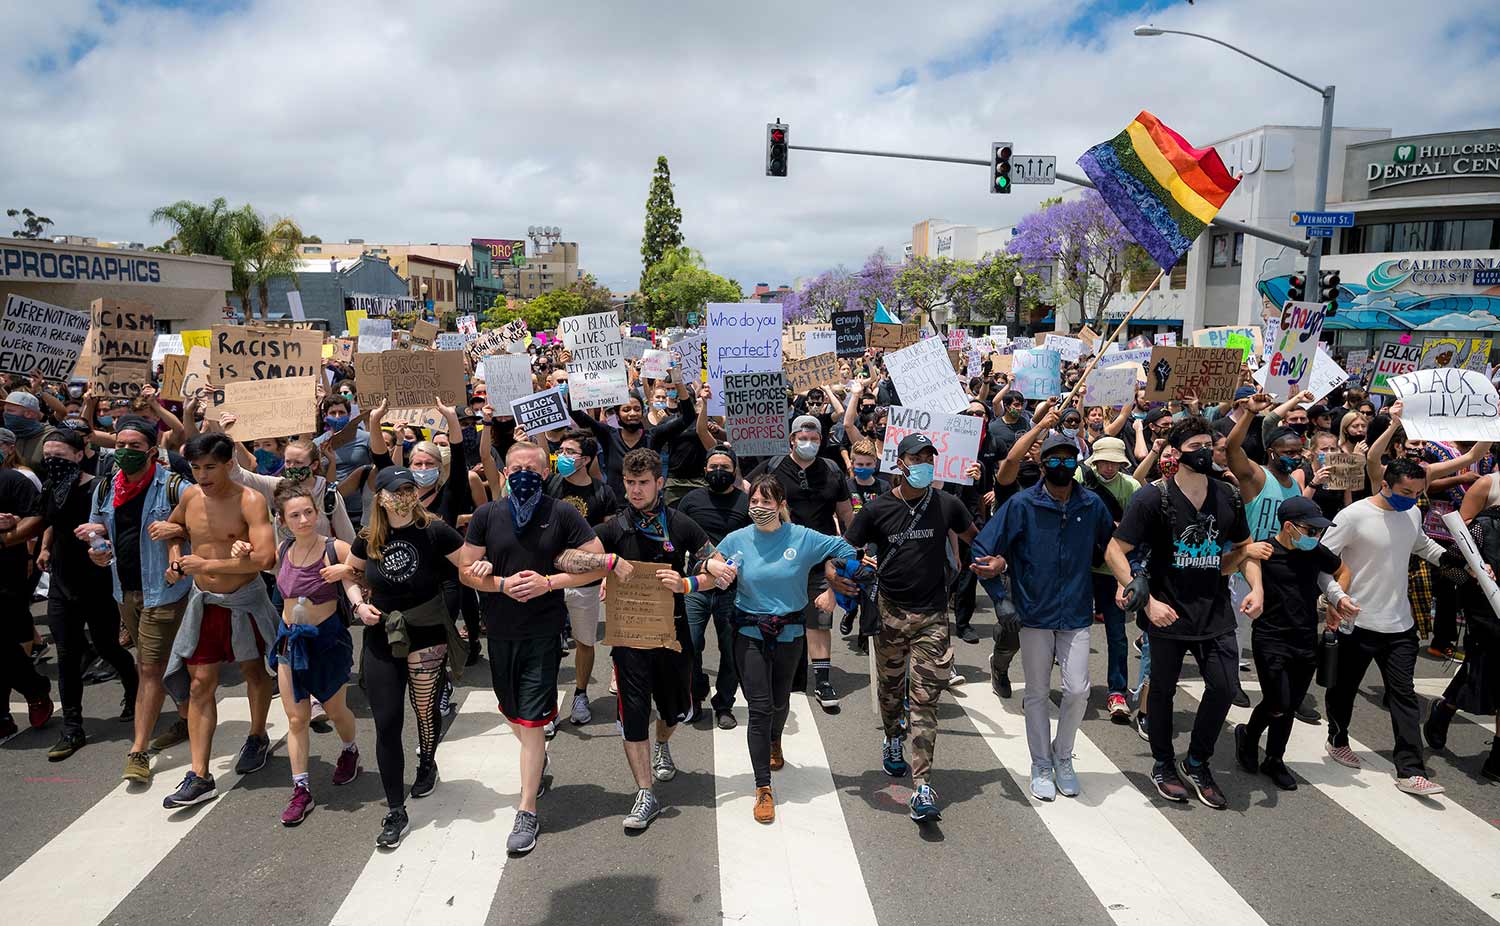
(541, 411)
(377, 306)
(849, 334)
(36, 337)
(755, 413)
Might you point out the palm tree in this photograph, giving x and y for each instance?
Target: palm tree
(267, 252)
(209, 230)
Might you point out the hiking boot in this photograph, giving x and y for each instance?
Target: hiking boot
(298, 807)
(765, 805)
(137, 768)
(176, 733)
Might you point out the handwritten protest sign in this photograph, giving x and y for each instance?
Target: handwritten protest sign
(924, 377)
(1244, 345)
(957, 338)
(1346, 471)
(507, 377)
(410, 379)
(641, 610)
(271, 407)
(122, 337)
(1447, 405)
(1036, 374)
(999, 332)
(1140, 356)
(173, 367)
(743, 337)
(755, 413)
(849, 334)
(1219, 337)
(1325, 376)
(1393, 359)
(541, 411)
(484, 344)
(37, 337)
(249, 352)
(181, 382)
(1111, 386)
(1296, 346)
(1165, 339)
(1209, 373)
(423, 334)
(954, 437)
(635, 348)
(1468, 353)
(167, 344)
(893, 337)
(467, 325)
(655, 363)
(343, 350)
(1069, 349)
(690, 357)
(516, 335)
(450, 340)
(802, 375)
(819, 341)
(374, 335)
(596, 372)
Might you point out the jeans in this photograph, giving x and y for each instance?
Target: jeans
(766, 671)
(1396, 655)
(1218, 662)
(1071, 650)
(1118, 666)
(67, 618)
(718, 604)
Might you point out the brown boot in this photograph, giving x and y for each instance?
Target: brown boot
(765, 806)
(778, 761)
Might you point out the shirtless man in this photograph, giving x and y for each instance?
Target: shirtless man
(229, 616)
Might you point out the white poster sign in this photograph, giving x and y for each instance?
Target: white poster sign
(955, 437)
(1447, 405)
(743, 337)
(924, 377)
(1111, 386)
(819, 341)
(294, 302)
(596, 374)
(654, 364)
(1296, 345)
(507, 377)
(1325, 376)
(1069, 349)
(374, 335)
(166, 344)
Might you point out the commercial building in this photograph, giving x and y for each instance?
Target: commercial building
(554, 268)
(431, 281)
(187, 291)
(764, 292)
(328, 286)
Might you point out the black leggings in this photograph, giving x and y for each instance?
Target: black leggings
(386, 686)
(67, 619)
(1283, 684)
(766, 671)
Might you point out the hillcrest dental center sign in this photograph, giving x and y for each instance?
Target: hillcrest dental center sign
(1431, 157)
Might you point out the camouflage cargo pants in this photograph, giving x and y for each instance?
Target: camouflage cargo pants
(913, 656)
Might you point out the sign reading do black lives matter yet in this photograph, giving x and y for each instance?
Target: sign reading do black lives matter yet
(849, 334)
(755, 413)
(596, 372)
(36, 337)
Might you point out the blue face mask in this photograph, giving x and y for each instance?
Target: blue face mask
(336, 422)
(1070, 433)
(562, 387)
(426, 477)
(658, 405)
(267, 462)
(406, 446)
(1305, 543)
(919, 475)
(864, 472)
(106, 422)
(567, 466)
(1401, 502)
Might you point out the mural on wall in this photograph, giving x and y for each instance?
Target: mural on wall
(1387, 299)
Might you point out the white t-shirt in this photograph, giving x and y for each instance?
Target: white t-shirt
(1377, 546)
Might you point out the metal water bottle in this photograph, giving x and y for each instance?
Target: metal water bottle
(1328, 658)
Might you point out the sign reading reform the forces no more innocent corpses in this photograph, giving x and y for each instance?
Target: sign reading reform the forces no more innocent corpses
(755, 412)
(36, 337)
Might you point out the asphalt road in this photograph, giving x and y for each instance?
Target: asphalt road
(79, 847)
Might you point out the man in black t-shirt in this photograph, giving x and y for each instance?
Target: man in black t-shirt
(518, 551)
(816, 492)
(1284, 639)
(20, 520)
(914, 657)
(596, 501)
(1189, 524)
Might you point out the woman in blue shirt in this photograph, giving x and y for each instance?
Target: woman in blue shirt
(774, 557)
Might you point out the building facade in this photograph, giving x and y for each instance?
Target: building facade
(326, 284)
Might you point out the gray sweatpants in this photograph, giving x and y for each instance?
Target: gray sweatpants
(1071, 650)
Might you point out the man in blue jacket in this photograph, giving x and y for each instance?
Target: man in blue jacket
(1044, 535)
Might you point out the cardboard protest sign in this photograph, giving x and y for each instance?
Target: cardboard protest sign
(1069, 349)
(37, 337)
(894, 337)
(743, 337)
(1212, 374)
(249, 352)
(1393, 359)
(271, 407)
(122, 337)
(1111, 386)
(507, 377)
(849, 334)
(429, 418)
(484, 344)
(1346, 471)
(1468, 353)
(924, 377)
(343, 350)
(1447, 405)
(192, 376)
(1325, 376)
(802, 375)
(423, 334)
(596, 372)
(173, 367)
(755, 413)
(541, 411)
(819, 341)
(655, 363)
(410, 379)
(1036, 374)
(641, 610)
(1296, 346)
(954, 437)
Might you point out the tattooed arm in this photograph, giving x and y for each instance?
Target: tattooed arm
(591, 563)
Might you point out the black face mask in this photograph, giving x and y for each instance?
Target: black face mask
(1200, 460)
(719, 480)
(630, 426)
(1059, 476)
(1028, 475)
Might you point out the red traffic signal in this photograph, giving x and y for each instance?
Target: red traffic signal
(776, 149)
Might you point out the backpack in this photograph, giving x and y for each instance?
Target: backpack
(106, 482)
(1169, 512)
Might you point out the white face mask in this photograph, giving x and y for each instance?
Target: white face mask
(807, 449)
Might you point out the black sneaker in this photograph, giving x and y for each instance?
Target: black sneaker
(193, 790)
(1168, 785)
(1000, 682)
(1280, 775)
(253, 755)
(1202, 780)
(1307, 711)
(127, 708)
(725, 720)
(1435, 730)
(426, 779)
(393, 829)
(968, 634)
(70, 742)
(828, 699)
(846, 624)
(8, 728)
(1240, 699)
(1142, 729)
(1246, 751)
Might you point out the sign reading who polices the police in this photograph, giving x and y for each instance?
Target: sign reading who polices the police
(1323, 219)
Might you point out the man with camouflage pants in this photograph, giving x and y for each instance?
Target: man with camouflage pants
(908, 529)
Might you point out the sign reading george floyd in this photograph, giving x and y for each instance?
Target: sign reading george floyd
(410, 379)
(1211, 374)
(755, 412)
(264, 352)
(849, 334)
(1447, 405)
(123, 335)
(36, 337)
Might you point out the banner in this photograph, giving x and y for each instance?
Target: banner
(271, 407)
(410, 379)
(250, 352)
(819, 341)
(1211, 374)
(122, 337)
(849, 334)
(641, 610)
(743, 337)
(1453, 352)
(924, 377)
(1393, 359)
(1036, 374)
(1296, 346)
(893, 337)
(1069, 349)
(1447, 405)
(376, 306)
(821, 370)
(1112, 386)
(37, 337)
(374, 335)
(596, 372)
(541, 411)
(755, 413)
(955, 437)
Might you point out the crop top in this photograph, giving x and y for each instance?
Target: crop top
(295, 581)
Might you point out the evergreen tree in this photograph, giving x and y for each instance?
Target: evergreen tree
(662, 235)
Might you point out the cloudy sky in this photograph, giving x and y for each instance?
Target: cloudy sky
(442, 121)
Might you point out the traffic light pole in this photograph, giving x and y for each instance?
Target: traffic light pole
(1320, 188)
(1300, 245)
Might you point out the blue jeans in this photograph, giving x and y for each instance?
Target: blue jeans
(700, 606)
(1114, 632)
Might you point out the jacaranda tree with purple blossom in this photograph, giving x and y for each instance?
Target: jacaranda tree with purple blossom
(1090, 247)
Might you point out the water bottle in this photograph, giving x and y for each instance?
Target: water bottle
(1346, 623)
(734, 560)
(98, 543)
(299, 611)
(1328, 658)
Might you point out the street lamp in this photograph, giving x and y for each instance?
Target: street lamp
(1019, 281)
(1325, 137)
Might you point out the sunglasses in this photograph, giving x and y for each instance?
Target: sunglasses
(1061, 463)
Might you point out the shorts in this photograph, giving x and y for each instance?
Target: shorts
(812, 618)
(153, 629)
(329, 653)
(585, 610)
(216, 638)
(524, 675)
(647, 675)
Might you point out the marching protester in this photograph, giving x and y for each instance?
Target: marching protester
(1104, 473)
(20, 521)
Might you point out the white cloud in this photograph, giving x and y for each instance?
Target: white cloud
(441, 122)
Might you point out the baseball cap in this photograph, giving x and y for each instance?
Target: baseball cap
(914, 443)
(394, 478)
(23, 399)
(1058, 442)
(1317, 411)
(1301, 510)
(1157, 414)
(1108, 450)
(7, 436)
(807, 423)
(1244, 392)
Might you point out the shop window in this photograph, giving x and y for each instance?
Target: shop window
(1239, 249)
(1220, 251)
(1479, 235)
(1410, 236)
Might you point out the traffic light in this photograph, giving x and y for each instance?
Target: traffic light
(1000, 152)
(776, 142)
(1328, 289)
(1296, 288)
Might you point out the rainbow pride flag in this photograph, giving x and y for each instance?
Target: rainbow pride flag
(1163, 190)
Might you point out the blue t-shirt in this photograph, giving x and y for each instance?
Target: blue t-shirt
(774, 566)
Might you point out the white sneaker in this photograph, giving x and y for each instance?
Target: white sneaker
(319, 715)
(550, 730)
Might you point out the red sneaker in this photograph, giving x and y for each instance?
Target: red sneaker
(347, 769)
(1119, 711)
(40, 709)
(298, 807)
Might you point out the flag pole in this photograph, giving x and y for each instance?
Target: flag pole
(1114, 334)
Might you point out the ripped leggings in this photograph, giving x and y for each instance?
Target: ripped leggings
(390, 680)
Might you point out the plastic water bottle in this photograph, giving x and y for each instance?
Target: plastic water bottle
(299, 611)
(1346, 624)
(734, 560)
(98, 543)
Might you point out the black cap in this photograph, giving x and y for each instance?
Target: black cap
(1301, 510)
(1317, 411)
(1157, 414)
(913, 444)
(1056, 441)
(144, 426)
(392, 478)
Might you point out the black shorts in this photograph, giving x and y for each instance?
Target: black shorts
(524, 675)
(646, 675)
